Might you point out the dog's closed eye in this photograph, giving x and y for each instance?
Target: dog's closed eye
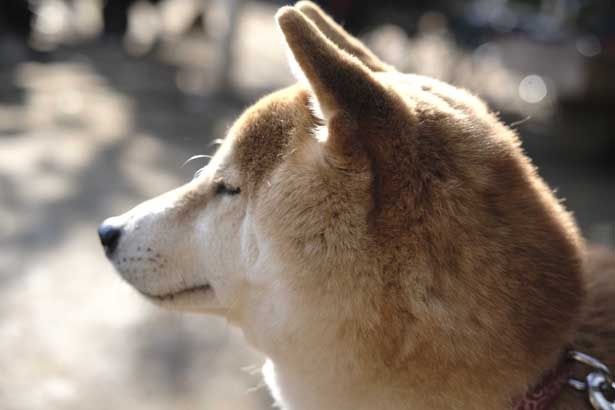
(223, 188)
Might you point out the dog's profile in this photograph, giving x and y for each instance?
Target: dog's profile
(381, 237)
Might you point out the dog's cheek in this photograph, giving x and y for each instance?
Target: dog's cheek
(312, 213)
(218, 241)
(249, 242)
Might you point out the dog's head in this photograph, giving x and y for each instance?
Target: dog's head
(391, 210)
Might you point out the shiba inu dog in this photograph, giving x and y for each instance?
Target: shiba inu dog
(381, 237)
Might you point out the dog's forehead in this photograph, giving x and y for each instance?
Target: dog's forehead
(265, 132)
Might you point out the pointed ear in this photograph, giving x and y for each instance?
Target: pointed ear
(367, 123)
(339, 81)
(341, 37)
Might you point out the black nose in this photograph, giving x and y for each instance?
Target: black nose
(109, 237)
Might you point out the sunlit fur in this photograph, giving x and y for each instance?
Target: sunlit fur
(406, 257)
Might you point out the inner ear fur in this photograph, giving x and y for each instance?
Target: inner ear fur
(341, 37)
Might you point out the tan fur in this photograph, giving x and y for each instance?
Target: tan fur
(337, 35)
(414, 259)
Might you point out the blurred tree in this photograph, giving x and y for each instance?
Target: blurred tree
(16, 17)
(115, 16)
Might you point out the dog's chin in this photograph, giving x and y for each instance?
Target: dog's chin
(199, 299)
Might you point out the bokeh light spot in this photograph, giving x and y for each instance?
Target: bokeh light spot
(589, 46)
(532, 89)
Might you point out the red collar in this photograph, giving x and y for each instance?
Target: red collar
(542, 396)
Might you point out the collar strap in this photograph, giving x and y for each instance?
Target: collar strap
(542, 396)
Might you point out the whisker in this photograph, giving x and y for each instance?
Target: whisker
(192, 158)
(251, 390)
(521, 121)
(198, 173)
(252, 369)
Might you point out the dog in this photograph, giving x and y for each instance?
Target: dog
(381, 237)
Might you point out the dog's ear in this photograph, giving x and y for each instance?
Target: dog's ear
(341, 37)
(355, 106)
(338, 80)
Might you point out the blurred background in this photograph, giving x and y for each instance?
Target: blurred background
(101, 102)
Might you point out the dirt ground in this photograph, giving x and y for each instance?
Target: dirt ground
(89, 132)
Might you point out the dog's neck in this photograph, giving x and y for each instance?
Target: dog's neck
(318, 377)
(325, 384)
(313, 364)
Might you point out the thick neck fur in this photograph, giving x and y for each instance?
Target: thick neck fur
(325, 375)
(316, 363)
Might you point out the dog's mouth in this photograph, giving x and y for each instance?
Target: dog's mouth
(169, 297)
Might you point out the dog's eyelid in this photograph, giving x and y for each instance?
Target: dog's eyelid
(222, 188)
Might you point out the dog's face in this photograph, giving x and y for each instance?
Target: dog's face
(208, 245)
(269, 208)
(185, 248)
(366, 203)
